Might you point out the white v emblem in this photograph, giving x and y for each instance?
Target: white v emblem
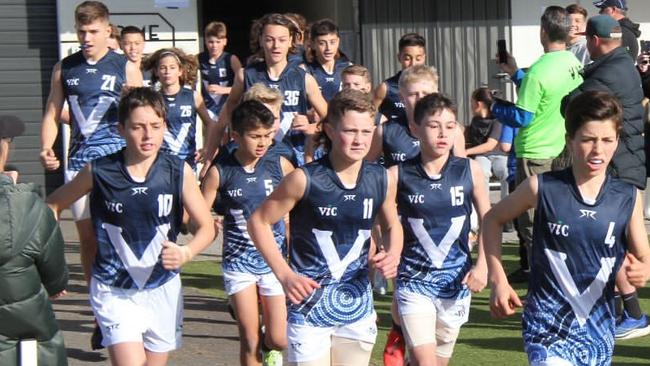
(175, 143)
(581, 303)
(139, 269)
(337, 265)
(285, 124)
(87, 126)
(437, 253)
(240, 221)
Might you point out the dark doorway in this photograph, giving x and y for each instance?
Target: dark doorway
(238, 17)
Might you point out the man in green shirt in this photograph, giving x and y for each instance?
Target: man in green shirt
(537, 111)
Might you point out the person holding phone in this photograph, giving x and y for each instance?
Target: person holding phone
(537, 111)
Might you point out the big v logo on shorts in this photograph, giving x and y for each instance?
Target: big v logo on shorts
(581, 302)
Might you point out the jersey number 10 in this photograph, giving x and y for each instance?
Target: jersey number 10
(165, 204)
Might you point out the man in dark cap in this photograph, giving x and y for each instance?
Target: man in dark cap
(32, 266)
(617, 9)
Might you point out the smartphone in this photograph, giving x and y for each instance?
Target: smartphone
(645, 47)
(502, 52)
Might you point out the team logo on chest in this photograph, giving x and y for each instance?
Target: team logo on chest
(588, 213)
(416, 198)
(222, 72)
(558, 229)
(237, 192)
(251, 180)
(138, 190)
(349, 197)
(328, 211)
(398, 156)
(72, 82)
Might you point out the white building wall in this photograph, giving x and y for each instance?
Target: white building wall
(526, 47)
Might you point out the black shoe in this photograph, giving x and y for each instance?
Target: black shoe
(96, 339)
(519, 276)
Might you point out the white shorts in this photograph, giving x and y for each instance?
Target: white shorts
(432, 320)
(267, 283)
(308, 343)
(81, 207)
(151, 316)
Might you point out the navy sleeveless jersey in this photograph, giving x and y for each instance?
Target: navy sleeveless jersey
(330, 239)
(392, 106)
(93, 93)
(132, 220)
(435, 214)
(241, 192)
(146, 78)
(291, 84)
(220, 73)
(577, 250)
(298, 56)
(180, 137)
(398, 143)
(329, 83)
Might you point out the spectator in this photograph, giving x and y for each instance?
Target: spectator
(32, 265)
(483, 137)
(613, 72)
(617, 9)
(643, 65)
(577, 42)
(537, 112)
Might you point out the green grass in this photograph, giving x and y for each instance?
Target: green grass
(482, 341)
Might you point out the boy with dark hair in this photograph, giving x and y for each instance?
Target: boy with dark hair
(139, 195)
(133, 43)
(577, 43)
(412, 51)
(242, 179)
(217, 67)
(91, 82)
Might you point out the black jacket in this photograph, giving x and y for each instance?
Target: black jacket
(32, 266)
(616, 74)
(630, 34)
